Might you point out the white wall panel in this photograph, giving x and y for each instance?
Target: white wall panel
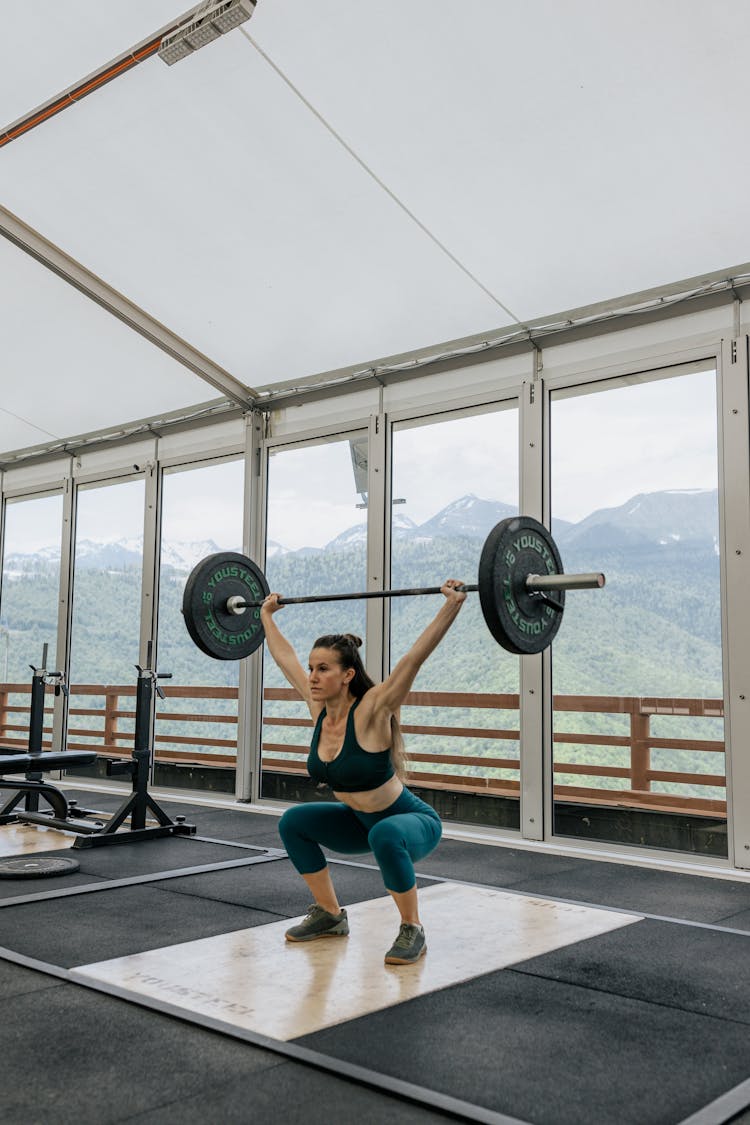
(39, 476)
(118, 460)
(641, 344)
(203, 441)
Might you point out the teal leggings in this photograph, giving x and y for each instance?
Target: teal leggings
(398, 837)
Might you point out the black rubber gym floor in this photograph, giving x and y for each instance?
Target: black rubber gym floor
(648, 1024)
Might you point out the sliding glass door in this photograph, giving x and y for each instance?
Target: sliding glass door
(29, 598)
(637, 668)
(106, 616)
(316, 544)
(454, 477)
(196, 725)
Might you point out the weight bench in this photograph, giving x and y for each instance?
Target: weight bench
(32, 787)
(67, 815)
(35, 761)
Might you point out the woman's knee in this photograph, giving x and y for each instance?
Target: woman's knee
(323, 823)
(387, 843)
(389, 847)
(392, 837)
(292, 823)
(304, 852)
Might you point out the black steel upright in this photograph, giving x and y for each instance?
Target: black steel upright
(140, 802)
(32, 764)
(36, 726)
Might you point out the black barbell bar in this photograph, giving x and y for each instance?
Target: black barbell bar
(534, 583)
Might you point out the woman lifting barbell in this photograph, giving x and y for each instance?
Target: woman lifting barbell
(357, 749)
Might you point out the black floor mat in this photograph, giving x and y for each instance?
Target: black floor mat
(116, 923)
(686, 967)
(550, 1053)
(77, 1057)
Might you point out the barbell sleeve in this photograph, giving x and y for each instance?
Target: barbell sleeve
(565, 581)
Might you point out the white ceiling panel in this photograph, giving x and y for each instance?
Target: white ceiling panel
(18, 433)
(210, 195)
(567, 153)
(47, 46)
(68, 367)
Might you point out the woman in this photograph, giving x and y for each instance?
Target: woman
(358, 750)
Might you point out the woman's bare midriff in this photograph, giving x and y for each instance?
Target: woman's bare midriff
(373, 800)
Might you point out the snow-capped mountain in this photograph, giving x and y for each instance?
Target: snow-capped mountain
(648, 520)
(654, 519)
(184, 556)
(274, 549)
(402, 528)
(122, 554)
(469, 517)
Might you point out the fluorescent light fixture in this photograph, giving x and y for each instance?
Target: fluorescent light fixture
(205, 26)
(174, 51)
(204, 33)
(233, 15)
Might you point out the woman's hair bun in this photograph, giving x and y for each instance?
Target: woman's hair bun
(353, 640)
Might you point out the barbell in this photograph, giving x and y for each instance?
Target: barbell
(521, 586)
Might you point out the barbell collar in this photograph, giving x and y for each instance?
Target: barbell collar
(565, 581)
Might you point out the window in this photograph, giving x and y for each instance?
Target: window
(454, 479)
(637, 668)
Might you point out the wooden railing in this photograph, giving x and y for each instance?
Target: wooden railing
(109, 730)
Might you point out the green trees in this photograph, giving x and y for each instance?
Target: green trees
(655, 630)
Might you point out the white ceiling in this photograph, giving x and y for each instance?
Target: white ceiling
(542, 156)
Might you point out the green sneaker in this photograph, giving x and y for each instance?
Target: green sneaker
(409, 946)
(318, 923)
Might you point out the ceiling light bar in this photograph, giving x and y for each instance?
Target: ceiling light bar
(214, 21)
(75, 93)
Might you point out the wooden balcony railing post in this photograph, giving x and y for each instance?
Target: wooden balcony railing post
(640, 749)
(111, 706)
(3, 712)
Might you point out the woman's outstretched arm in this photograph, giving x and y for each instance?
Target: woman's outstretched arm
(394, 690)
(281, 650)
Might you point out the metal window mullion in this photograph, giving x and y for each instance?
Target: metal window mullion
(734, 430)
(150, 583)
(535, 758)
(65, 609)
(388, 543)
(250, 703)
(378, 538)
(3, 506)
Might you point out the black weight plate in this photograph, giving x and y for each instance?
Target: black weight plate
(214, 629)
(514, 549)
(33, 867)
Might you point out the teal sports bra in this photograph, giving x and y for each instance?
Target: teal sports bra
(353, 770)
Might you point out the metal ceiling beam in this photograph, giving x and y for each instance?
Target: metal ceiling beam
(86, 282)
